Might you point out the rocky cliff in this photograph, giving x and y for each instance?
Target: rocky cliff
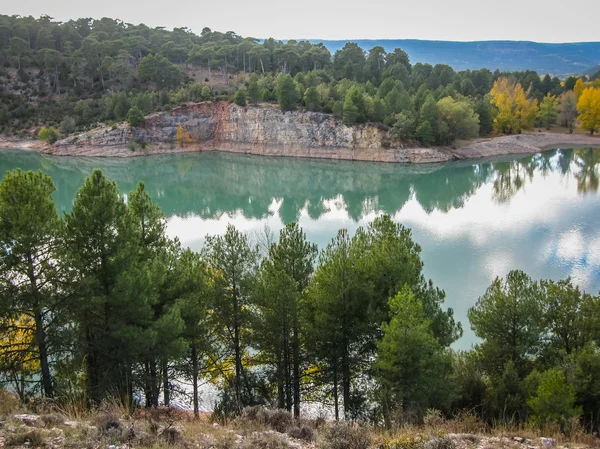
(263, 130)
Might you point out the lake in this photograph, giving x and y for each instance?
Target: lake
(474, 220)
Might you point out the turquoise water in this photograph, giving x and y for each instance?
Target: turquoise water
(474, 220)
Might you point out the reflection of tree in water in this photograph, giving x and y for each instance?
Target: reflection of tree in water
(586, 161)
(449, 189)
(512, 176)
(210, 185)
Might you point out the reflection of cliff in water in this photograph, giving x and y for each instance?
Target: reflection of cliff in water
(209, 185)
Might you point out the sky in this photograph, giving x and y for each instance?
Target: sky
(461, 20)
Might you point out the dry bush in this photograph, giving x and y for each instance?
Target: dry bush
(343, 436)
(9, 403)
(407, 438)
(433, 418)
(25, 436)
(53, 419)
(265, 440)
(277, 419)
(163, 414)
(466, 422)
(439, 443)
(225, 442)
(302, 432)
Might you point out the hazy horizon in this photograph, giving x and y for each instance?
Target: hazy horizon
(459, 21)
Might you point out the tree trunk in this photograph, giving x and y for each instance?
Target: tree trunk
(346, 380)
(296, 375)
(40, 332)
(166, 387)
(335, 393)
(153, 385)
(238, 352)
(40, 336)
(195, 379)
(280, 383)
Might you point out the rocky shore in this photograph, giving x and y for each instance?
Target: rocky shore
(265, 130)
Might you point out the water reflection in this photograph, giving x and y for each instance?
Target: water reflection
(474, 221)
(210, 185)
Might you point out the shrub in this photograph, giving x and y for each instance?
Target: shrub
(440, 443)
(9, 403)
(433, 418)
(342, 436)
(265, 440)
(25, 436)
(135, 117)
(405, 440)
(553, 401)
(132, 146)
(48, 135)
(240, 97)
(277, 419)
(53, 419)
(67, 125)
(302, 433)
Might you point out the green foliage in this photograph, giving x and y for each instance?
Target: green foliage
(507, 318)
(240, 97)
(354, 106)
(254, 90)
(68, 126)
(425, 133)
(461, 122)
(411, 364)
(48, 134)
(553, 401)
(160, 71)
(287, 93)
(404, 127)
(29, 272)
(143, 101)
(548, 111)
(135, 117)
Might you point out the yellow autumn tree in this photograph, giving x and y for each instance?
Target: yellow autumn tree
(514, 110)
(578, 89)
(19, 358)
(588, 107)
(183, 137)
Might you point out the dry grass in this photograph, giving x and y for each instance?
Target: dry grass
(262, 428)
(9, 404)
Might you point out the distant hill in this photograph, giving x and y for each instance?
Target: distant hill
(556, 59)
(593, 71)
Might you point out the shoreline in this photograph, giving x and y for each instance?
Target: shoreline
(520, 144)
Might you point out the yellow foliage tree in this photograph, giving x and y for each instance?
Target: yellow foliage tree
(588, 107)
(19, 358)
(578, 89)
(183, 137)
(515, 111)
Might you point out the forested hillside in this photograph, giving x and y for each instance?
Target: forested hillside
(68, 77)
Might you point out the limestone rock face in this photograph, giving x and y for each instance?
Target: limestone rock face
(263, 130)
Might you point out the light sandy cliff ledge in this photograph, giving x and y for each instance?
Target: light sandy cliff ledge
(265, 130)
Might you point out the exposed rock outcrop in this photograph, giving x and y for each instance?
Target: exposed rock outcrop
(265, 130)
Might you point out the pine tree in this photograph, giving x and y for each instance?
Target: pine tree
(30, 274)
(110, 290)
(235, 262)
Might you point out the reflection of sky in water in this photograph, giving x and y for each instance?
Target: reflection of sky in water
(547, 228)
(540, 214)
